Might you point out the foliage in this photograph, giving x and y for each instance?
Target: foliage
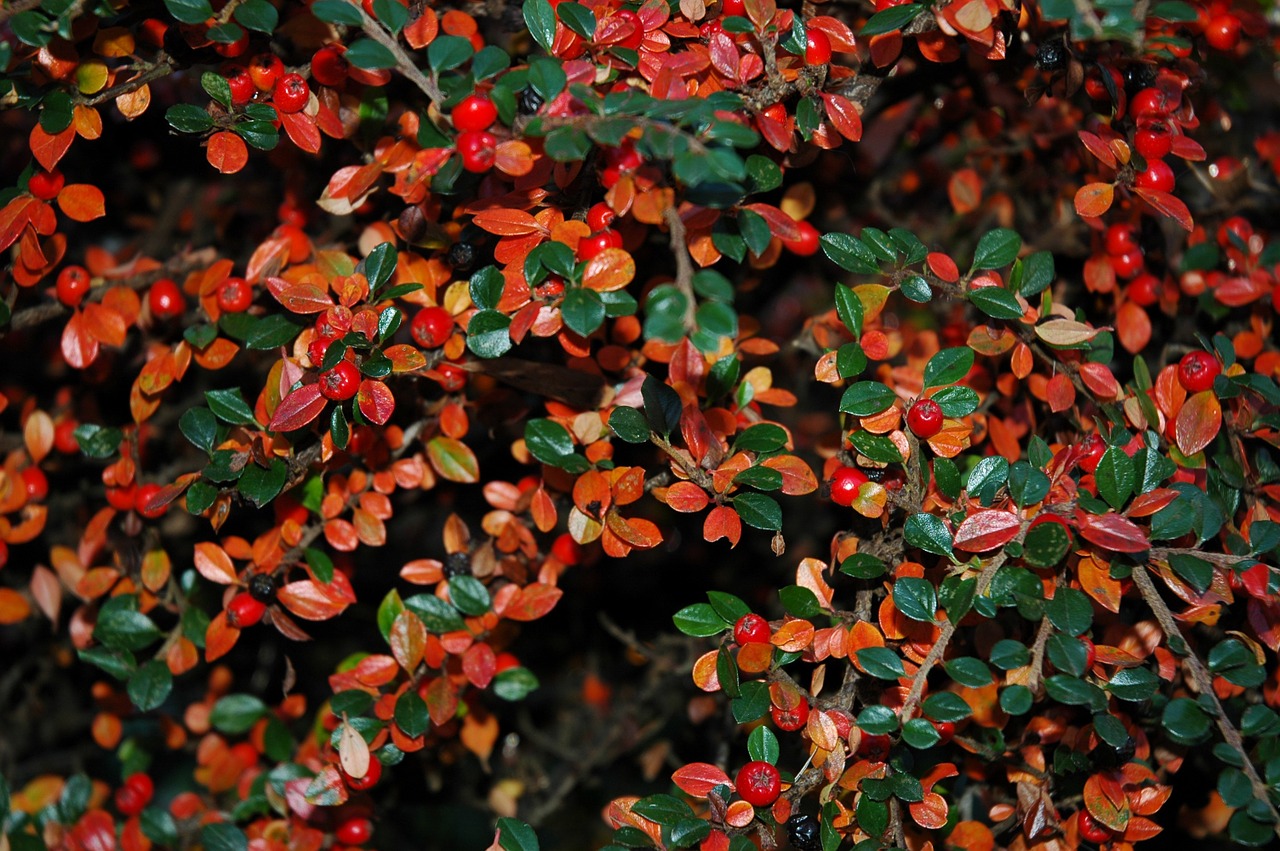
(494, 289)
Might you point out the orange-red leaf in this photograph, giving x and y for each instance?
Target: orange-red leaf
(302, 130)
(83, 202)
(1094, 199)
(611, 269)
(227, 152)
(49, 149)
(313, 601)
(986, 530)
(1167, 204)
(1112, 532)
(79, 348)
(844, 116)
(504, 222)
(533, 601)
(686, 497)
(298, 408)
(376, 401)
(214, 564)
(1099, 148)
(300, 297)
(1198, 422)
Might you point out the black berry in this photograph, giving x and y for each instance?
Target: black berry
(462, 256)
(457, 564)
(530, 101)
(804, 833)
(262, 587)
(1051, 56)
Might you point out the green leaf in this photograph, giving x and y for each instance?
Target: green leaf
(1185, 722)
(150, 685)
(762, 745)
(1133, 684)
(411, 714)
(259, 485)
(578, 18)
(948, 366)
(762, 437)
(122, 627)
(920, 733)
(436, 615)
(877, 447)
(862, 566)
(700, 620)
(847, 252)
(916, 289)
(448, 52)
(758, 510)
(189, 11)
(752, 702)
(514, 684)
(629, 424)
(878, 720)
(1008, 654)
(996, 302)
(488, 333)
(969, 671)
(217, 87)
(222, 836)
(1070, 610)
(881, 663)
(548, 441)
(379, 265)
(1115, 476)
(368, 55)
(540, 18)
(236, 713)
(997, 249)
(930, 534)
(515, 835)
(1074, 691)
(271, 332)
(946, 706)
(1196, 572)
(662, 405)
(916, 598)
(188, 118)
(987, 477)
(849, 309)
(956, 401)
(337, 12)
(1016, 700)
(866, 398)
(890, 19)
(1038, 273)
(391, 14)
(469, 595)
(200, 427)
(582, 310)
(257, 15)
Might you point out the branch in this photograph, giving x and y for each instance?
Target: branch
(17, 8)
(164, 67)
(684, 265)
(404, 62)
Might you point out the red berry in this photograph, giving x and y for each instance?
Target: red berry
(845, 482)
(46, 185)
(329, 66)
(566, 550)
(875, 747)
(925, 418)
(355, 831)
(1144, 290)
(709, 29)
(1158, 177)
(758, 783)
(73, 285)
(1126, 265)
(1223, 32)
(474, 112)
(370, 778)
(790, 719)
(291, 93)
(592, 245)
(4, 553)
(733, 7)
(244, 610)
(1090, 652)
(807, 243)
(817, 47)
(1091, 830)
(1150, 102)
(1093, 448)
(241, 84)
(143, 496)
(1153, 141)
(505, 662)
(264, 70)
(165, 299)
(1121, 239)
(64, 436)
(36, 483)
(234, 295)
(624, 157)
(452, 377)
(134, 794)
(431, 327)
(1237, 226)
(946, 731)
(751, 629)
(635, 36)
(341, 382)
(141, 783)
(121, 499)
(1197, 370)
(600, 216)
(478, 150)
(235, 48)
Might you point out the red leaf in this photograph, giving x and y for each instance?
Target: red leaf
(300, 297)
(1186, 148)
(214, 564)
(1112, 532)
(14, 217)
(931, 813)
(780, 224)
(313, 601)
(797, 477)
(722, 522)
(844, 116)
(986, 530)
(1166, 204)
(1098, 148)
(219, 638)
(49, 149)
(79, 348)
(298, 408)
(376, 401)
(302, 130)
(533, 601)
(105, 324)
(686, 497)
(507, 222)
(1198, 422)
(227, 152)
(697, 779)
(1105, 800)
(1095, 199)
(1099, 378)
(479, 664)
(83, 202)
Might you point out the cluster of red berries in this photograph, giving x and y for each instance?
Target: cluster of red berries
(1124, 252)
(1151, 109)
(477, 147)
(266, 73)
(134, 794)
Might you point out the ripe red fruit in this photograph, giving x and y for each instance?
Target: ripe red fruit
(751, 628)
(354, 831)
(370, 778)
(566, 550)
(1197, 370)
(624, 157)
(244, 610)
(474, 112)
(635, 37)
(134, 794)
(790, 719)
(240, 83)
(291, 93)
(235, 48)
(1158, 176)
(431, 327)
(1239, 227)
(329, 66)
(46, 185)
(925, 418)
(845, 482)
(1121, 239)
(733, 7)
(165, 299)
(316, 350)
(452, 377)
(946, 731)
(73, 285)
(817, 49)
(592, 245)
(505, 662)
(1126, 265)
(1091, 830)
(758, 783)
(875, 747)
(143, 496)
(600, 216)
(234, 295)
(36, 483)
(807, 243)
(1150, 102)
(1223, 32)
(341, 382)
(1093, 447)
(121, 499)
(1153, 141)
(264, 70)
(1144, 290)
(478, 150)
(64, 436)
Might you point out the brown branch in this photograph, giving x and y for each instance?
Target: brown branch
(404, 62)
(163, 67)
(698, 475)
(684, 265)
(1204, 684)
(1037, 654)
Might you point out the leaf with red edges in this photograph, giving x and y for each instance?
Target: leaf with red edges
(376, 401)
(986, 530)
(311, 601)
(534, 600)
(1098, 148)
(780, 224)
(14, 217)
(302, 130)
(300, 297)
(1112, 532)
(1168, 205)
(298, 408)
(697, 779)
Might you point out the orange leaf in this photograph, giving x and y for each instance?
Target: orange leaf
(79, 348)
(1062, 393)
(302, 130)
(227, 152)
(104, 324)
(611, 269)
(299, 297)
(1168, 205)
(219, 638)
(83, 202)
(533, 601)
(314, 601)
(214, 564)
(505, 222)
(722, 522)
(1133, 327)
(1096, 581)
(1095, 199)
(686, 497)
(965, 190)
(797, 477)
(1105, 800)
(931, 813)
(1099, 378)
(844, 116)
(376, 401)
(1198, 422)
(636, 531)
(14, 218)
(408, 640)
(49, 149)
(1098, 148)
(13, 606)
(697, 779)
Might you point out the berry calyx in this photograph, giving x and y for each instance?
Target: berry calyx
(790, 719)
(431, 327)
(1158, 177)
(1197, 370)
(290, 93)
(245, 611)
(73, 285)
(845, 483)
(474, 112)
(142, 498)
(875, 747)
(478, 150)
(234, 295)
(341, 382)
(817, 49)
(925, 418)
(758, 783)
(807, 243)
(165, 299)
(354, 831)
(329, 67)
(751, 628)
(46, 185)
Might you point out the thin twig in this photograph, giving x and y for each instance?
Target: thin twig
(404, 62)
(684, 265)
(163, 67)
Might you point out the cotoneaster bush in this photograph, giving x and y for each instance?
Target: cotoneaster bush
(382, 381)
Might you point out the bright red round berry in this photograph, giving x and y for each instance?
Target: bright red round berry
(46, 185)
(134, 794)
(341, 382)
(452, 377)
(845, 482)
(121, 499)
(478, 150)
(233, 49)
(64, 436)
(925, 418)
(817, 49)
(142, 497)
(1150, 102)
(328, 66)
(370, 778)
(431, 327)
(566, 550)
(234, 295)
(1223, 32)
(590, 246)
(1153, 141)
(751, 629)
(1128, 264)
(1237, 226)
(1197, 370)
(1121, 239)
(1158, 177)
(505, 662)
(733, 7)
(316, 350)
(291, 93)
(1144, 290)
(264, 70)
(240, 83)
(244, 610)
(758, 783)
(875, 747)
(600, 216)
(790, 719)
(165, 299)
(807, 243)
(73, 285)
(1093, 448)
(946, 731)
(1091, 830)
(355, 831)
(635, 37)
(36, 483)
(474, 112)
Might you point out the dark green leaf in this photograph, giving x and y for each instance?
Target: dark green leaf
(956, 401)
(1008, 654)
(762, 437)
(582, 310)
(188, 118)
(930, 534)
(540, 18)
(448, 52)
(200, 427)
(881, 662)
(1115, 476)
(662, 405)
(752, 702)
(758, 510)
(847, 252)
(762, 744)
(236, 713)
(411, 714)
(1133, 684)
(514, 684)
(997, 249)
(150, 685)
(1076, 692)
(915, 597)
(488, 333)
(919, 733)
(1185, 722)
(260, 485)
(368, 55)
(258, 15)
(996, 302)
(1038, 273)
(629, 424)
(948, 366)
(862, 566)
(1070, 611)
(866, 398)
(436, 615)
(469, 595)
(700, 620)
(222, 836)
(849, 309)
(547, 440)
(189, 11)
(1016, 700)
(337, 12)
(946, 706)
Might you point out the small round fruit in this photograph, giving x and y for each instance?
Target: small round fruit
(817, 49)
(452, 377)
(134, 794)
(635, 37)
(64, 436)
(1223, 32)
(875, 747)
(46, 185)
(790, 719)
(505, 662)
(244, 611)
(1144, 290)
(845, 482)
(600, 216)
(1197, 370)
(590, 246)
(1154, 141)
(1092, 448)
(165, 299)
(240, 83)
(122, 499)
(291, 93)
(370, 778)
(566, 549)
(1091, 830)
(143, 496)
(234, 295)
(478, 150)
(925, 418)
(262, 586)
(341, 382)
(751, 628)
(73, 285)
(474, 112)
(233, 49)
(1158, 177)
(758, 783)
(264, 70)
(807, 243)
(328, 66)
(431, 327)
(1128, 264)
(1150, 102)
(733, 7)
(354, 831)
(1121, 239)
(35, 483)
(316, 350)
(1236, 228)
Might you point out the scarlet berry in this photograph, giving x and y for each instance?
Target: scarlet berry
(264, 70)
(329, 66)
(751, 628)
(46, 185)
(758, 783)
(36, 483)
(1126, 265)
(1223, 32)
(790, 719)
(1091, 830)
(355, 831)
(431, 327)
(1158, 177)
(598, 242)
(733, 7)
(1150, 102)
(234, 295)
(370, 778)
(1237, 227)
(235, 48)
(291, 93)
(122, 499)
(1092, 448)
(64, 436)
(600, 216)
(244, 611)
(452, 377)
(566, 550)
(874, 747)
(316, 350)
(807, 243)
(1121, 239)
(1153, 141)
(817, 47)
(474, 112)
(1144, 290)
(1197, 370)
(341, 382)
(925, 418)
(635, 37)
(946, 731)
(142, 498)
(134, 794)
(845, 482)
(478, 150)
(165, 299)
(505, 662)
(240, 83)
(73, 285)
(624, 157)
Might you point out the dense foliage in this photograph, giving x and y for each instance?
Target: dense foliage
(915, 361)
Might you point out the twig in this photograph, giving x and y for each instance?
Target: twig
(17, 8)
(684, 265)
(404, 62)
(700, 476)
(164, 67)
(1037, 654)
